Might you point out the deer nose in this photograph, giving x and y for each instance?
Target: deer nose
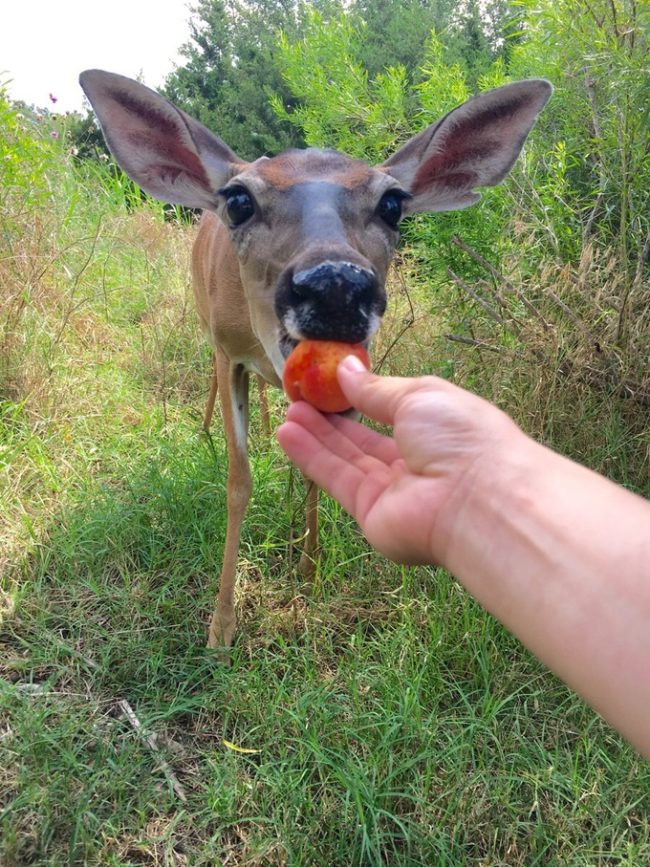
(335, 283)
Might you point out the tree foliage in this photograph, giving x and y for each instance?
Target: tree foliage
(234, 78)
(363, 76)
(338, 104)
(594, 141)
(396, 31)
(231, 71)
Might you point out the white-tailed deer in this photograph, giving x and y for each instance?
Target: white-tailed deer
(298, 245)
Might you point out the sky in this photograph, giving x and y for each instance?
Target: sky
(45, 44)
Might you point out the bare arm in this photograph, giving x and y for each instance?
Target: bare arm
(562, 557)
(556, 552)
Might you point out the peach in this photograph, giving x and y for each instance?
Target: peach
(310, 373)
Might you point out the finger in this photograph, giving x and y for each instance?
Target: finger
(379, 396)
(368, 441)
(348, 439)
(340, 478)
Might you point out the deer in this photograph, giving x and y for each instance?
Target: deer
(297, 245)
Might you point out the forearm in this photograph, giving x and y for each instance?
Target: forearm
(562, 557)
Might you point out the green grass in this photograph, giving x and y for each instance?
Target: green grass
(393, 721)
(396, 722)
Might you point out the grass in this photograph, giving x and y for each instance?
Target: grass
(394, 721)
(391, 720)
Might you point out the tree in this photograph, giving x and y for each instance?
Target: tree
(396, 31)
(231, 70)
(337, 103)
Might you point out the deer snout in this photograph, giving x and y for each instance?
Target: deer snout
(333, 300)
(349, 282)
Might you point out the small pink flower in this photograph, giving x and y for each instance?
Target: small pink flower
(54, 134)
(53, 98)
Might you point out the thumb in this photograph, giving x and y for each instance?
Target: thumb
(377, 397)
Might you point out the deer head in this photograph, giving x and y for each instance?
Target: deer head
(313, 230)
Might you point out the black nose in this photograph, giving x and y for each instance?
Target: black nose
(335, 284)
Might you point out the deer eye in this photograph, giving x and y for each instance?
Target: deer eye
(239, 205)
(390, 207)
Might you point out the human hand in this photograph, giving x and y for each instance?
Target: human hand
(408, 492)
(534, 537)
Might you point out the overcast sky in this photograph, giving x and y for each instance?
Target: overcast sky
(45, 44)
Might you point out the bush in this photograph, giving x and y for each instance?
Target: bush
(539, 292)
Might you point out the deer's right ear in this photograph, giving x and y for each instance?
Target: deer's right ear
(475, 145)
(170, 155)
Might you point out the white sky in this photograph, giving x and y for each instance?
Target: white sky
(45, 44)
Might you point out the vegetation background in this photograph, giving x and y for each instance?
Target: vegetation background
(379, 716)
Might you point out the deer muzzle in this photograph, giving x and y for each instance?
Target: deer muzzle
(332, 300)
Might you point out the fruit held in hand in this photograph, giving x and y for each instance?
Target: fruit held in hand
(310, 373)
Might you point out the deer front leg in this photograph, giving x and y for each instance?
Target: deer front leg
(307, 565)
(212, 397)
(233, 390)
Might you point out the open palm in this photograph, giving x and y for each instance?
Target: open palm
(407, 492)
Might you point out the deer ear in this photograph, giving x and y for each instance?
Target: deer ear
(166, 152)
(475, 145)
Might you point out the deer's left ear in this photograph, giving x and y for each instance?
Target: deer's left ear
(475, 145)
(170, 155)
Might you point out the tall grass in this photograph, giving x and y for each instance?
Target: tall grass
(94, 307)
(390, 720)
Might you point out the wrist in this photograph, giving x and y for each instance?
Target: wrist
(502, 486)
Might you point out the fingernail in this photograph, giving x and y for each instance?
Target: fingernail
(353, 364)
